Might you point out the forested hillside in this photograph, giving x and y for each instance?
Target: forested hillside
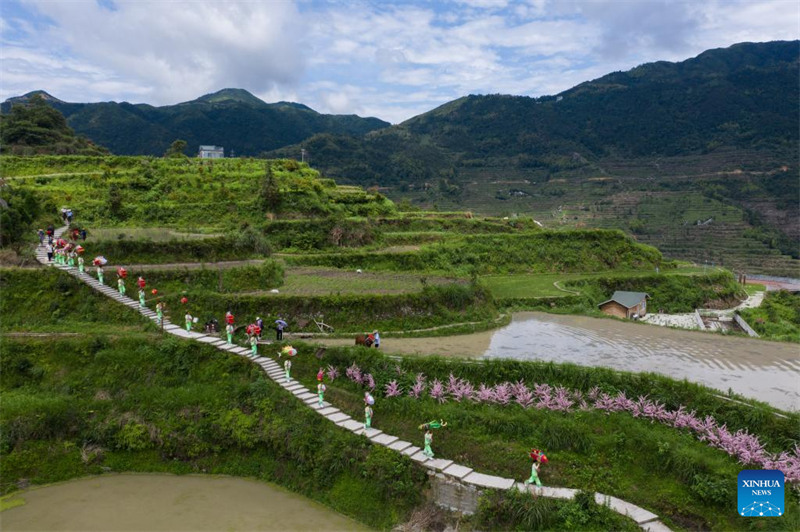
(699, 158)
(744, 97)
(34, 128)
(231, 118)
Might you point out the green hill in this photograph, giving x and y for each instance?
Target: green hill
(698, 157)
(744, 97)
(232, 118)
(33, 128)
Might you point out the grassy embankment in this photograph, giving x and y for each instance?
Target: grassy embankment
(121, 397)
(778, 317)
(666, 470)
(135, 401)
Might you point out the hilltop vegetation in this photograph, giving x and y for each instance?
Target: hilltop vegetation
(184, 193)
(35, 128)
(231, 118)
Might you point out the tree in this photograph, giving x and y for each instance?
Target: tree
(115, 209)
(36, 128)
(19, 208)
(176, 149)
(270, 194)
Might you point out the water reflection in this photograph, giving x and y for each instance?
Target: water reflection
(168, 503)
(768, 371)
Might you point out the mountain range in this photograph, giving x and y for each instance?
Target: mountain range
(699, 157)
(231, 118)
(735, 99)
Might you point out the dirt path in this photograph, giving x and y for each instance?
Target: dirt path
(65, 174)
(195, 265)
(40, 334)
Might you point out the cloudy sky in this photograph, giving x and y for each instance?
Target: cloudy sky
(389, 59)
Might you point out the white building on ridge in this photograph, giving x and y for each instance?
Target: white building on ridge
(211, 152)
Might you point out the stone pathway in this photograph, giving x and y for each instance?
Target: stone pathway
(645, 519)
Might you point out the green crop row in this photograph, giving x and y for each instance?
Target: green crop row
(541, 251)
(434, 305)
(250, 278)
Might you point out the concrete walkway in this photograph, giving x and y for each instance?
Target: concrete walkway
(645, 519)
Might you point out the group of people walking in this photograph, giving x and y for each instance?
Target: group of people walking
(70, 254)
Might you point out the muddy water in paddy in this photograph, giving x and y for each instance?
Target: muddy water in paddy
(768, 371)
(166, 502)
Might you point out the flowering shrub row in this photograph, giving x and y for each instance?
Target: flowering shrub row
(741, 445)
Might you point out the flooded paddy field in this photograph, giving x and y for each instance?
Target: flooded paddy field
(758, 369)
(167, 502)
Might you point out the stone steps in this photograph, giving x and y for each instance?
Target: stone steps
(645, 519)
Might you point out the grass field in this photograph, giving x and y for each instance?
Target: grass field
(513, 286)
(323, 281)
(155, 234)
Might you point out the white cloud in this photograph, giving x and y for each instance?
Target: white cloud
(182, 48)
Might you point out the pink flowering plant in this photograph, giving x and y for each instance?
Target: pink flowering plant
(746, 448)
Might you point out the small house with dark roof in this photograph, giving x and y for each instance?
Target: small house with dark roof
(626, 304)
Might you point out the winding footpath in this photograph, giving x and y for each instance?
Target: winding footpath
(450, 470)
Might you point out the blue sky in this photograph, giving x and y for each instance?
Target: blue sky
(388, 59)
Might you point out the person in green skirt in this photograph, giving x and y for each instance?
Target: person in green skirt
(254, 345)
(141, 297)
(538, 458)
(100, 273)
(188, 319)
(80, 264)
(160, 312)
(367, 417)
(229, 330)
(288, 367)
(321, 393)
(121, 285)
(428, 440)
(71, 261)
